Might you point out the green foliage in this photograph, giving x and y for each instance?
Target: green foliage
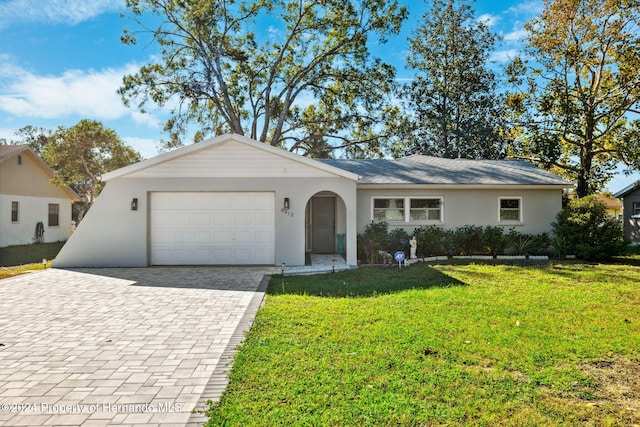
(79, 155)
(374, 239)
(432, 241)
(584, 229)
(36, 138)
(467, 240)
(226, 78)
(453, 106)
(574, 101)
(398, 240)
(477, 240)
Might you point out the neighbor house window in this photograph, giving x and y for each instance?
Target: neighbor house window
(636, 210)
(14, 211)
(510, 209)
(19, 160)
(54, 215)
(408, 209)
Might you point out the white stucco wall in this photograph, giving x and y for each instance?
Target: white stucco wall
(472, 207)
(112, 235)
(31, 211)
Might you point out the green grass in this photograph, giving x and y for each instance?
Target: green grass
(438, 345)
(16, 260)
(28, 254)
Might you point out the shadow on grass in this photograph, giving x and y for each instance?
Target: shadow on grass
(362, 282)
(28, 254)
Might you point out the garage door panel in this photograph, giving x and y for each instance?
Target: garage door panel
(202, 237)
(182, 219)
(212, 228)
(222, 219)
(243, 219)
(202, 219)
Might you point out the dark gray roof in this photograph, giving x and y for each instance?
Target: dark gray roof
(419, 169)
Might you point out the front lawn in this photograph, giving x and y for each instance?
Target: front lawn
(16, 260)
(442, 345)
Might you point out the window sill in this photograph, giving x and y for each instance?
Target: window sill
(511, 223)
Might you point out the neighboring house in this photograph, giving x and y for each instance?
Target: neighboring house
(630, 211)
(27, 197)
(232, 200)
(613, 205)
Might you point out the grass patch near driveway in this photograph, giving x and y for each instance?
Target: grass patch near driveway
(15, 260)
(29, 254)
(442, 345)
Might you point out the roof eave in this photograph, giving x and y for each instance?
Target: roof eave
(467, 186)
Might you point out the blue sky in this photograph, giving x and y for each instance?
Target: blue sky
(62, 61)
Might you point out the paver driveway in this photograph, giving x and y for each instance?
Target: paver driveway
(120, 346)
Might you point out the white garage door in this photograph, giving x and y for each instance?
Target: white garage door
(212, 228)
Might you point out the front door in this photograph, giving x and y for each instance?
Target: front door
(323, 225)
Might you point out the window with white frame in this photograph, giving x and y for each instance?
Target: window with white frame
(388, 209)
(425, 210)
(510, 209)
(636, 210)
(407, 209)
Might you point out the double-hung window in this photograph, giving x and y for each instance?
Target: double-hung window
(15, 211)
(635, 210)
(54, 215)
(408, 209)
(510, 209)
(388, 209)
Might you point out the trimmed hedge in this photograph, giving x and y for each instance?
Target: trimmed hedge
(435, 241)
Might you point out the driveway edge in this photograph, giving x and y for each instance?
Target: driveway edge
(220, 378)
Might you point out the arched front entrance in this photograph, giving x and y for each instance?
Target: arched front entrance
(325, 225)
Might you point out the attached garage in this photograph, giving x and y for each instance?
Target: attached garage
(205, 228)
(225, 201)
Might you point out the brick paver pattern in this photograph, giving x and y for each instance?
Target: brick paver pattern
(97, 347)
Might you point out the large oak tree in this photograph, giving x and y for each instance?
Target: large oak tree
(306, 80)
(578, 96)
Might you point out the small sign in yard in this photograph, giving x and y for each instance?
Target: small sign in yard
(399, 256)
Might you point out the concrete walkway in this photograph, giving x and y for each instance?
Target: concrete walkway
(98, 347)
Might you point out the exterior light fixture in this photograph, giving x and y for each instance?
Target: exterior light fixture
(286, 204)
(44, 263)
(134, 204)
(282, 268)
(333, 265)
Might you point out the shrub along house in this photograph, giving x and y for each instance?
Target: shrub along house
(232, 200)
(28, 198)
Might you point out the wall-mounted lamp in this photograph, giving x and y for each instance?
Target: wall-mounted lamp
(134, 204)
(286, 204)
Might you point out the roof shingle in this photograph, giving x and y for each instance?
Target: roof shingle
(420, 169)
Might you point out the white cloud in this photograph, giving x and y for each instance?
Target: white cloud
(527, 9)
(488, 19)
(75, 92)
(146, 120)
(504, 56)
(55, 11)
(145, 146)
(515, 35)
